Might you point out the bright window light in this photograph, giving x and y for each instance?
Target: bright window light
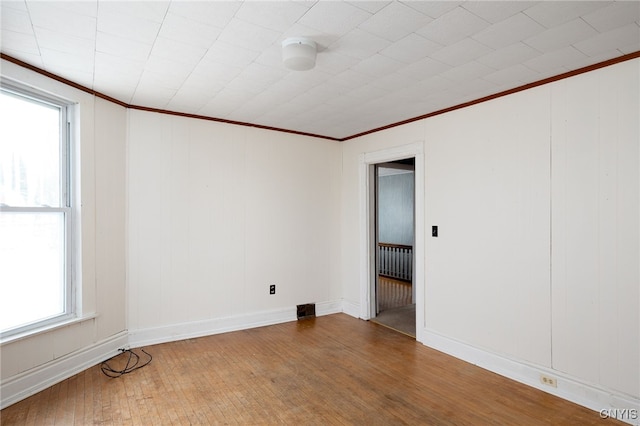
(35, 212)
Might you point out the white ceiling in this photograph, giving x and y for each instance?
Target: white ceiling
(379, 62)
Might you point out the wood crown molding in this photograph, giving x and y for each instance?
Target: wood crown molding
(149, 109)
(562, 76)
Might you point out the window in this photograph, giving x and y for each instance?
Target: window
(35, 211)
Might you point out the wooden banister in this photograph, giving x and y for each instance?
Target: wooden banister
(395, 261)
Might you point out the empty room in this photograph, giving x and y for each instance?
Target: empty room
(319, 212)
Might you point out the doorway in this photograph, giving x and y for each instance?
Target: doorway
(368, 244)
(394, 220)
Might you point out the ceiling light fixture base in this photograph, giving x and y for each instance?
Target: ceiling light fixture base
(299, 53)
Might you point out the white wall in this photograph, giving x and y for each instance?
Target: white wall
(31, 363)
(219, 212)
(595, 227)
(536, 196)
(110, 213)
(487, 185)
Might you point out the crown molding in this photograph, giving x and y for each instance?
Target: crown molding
(527, 86)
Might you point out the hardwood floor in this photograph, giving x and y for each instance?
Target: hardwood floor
(393, 293)
(329, 370)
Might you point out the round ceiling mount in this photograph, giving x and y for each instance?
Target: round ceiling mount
(299, 53)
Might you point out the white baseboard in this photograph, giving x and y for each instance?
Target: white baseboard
(350, 308)
(328, 308)
(40, 378)
(605, 402)
(190, 330)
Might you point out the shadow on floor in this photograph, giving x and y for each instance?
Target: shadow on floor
(402, 319)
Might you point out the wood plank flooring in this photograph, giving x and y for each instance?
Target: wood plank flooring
(393, 293)
(331, 370)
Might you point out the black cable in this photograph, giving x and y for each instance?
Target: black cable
(111, 372)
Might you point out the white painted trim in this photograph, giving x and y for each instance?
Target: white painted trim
(419, 242)
(365, 238)
(394, 153)
(25, 384)
(350, 308)
(45, 329)
(588, 395)
(415, 150)
(189, 330)
(328, 308)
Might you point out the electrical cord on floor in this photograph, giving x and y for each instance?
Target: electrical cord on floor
(132, 363)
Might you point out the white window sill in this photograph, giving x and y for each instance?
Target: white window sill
(46, 329)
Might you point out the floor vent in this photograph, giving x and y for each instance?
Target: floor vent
(307, 311)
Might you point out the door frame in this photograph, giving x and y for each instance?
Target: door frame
(367, 161)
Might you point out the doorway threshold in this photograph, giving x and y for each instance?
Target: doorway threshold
(401, 319)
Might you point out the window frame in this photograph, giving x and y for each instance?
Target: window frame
(66, 205)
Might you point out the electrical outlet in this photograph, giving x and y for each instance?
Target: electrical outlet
(549, 381)
(272, 289)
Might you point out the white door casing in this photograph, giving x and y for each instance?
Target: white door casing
(367, 227)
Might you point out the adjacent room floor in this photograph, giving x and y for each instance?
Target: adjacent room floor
(402, 319)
